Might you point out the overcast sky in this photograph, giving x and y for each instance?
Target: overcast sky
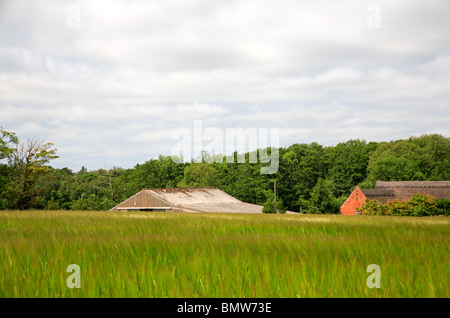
(109, 81)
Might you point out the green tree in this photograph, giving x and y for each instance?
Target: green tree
(301, 166)
(8, 142)
(55, 190)
(419, 158)
(247, 182)
(269, 206)
(198, 175)
(6, 186)
(349, 165)
(272, 206)
(28, 161)
(322, 199)
(280, 206)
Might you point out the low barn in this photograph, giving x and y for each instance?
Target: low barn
(385, 191)
(186, 200)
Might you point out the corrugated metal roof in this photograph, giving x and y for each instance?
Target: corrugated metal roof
(183, 196)
(191, 200)
(223, 207)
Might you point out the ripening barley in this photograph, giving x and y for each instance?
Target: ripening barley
(221, 255)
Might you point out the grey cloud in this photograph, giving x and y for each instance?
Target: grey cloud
(136, 70)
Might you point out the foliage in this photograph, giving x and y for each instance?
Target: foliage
(423, 205)
(419, 205)
(280, 206)
(199, 175)
(372, 207)
(419, 158)
(443, 206)
(8, 141)
(27, 162)
(270, 206)
(301, 166)
(92, 203)
(311, 178)
(6, 196)
(349, 165)
(322, 199)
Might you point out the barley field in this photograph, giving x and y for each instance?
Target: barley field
(138, 254)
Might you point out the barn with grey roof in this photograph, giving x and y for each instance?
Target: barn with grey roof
(186, 200)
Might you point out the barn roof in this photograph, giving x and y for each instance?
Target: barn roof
(381, 195)
(403, 190)
(412, 184)
(204, 200)
(188, 200)
(183, 196)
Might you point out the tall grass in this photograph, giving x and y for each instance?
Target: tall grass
(140, 254)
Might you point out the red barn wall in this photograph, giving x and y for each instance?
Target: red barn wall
(354, 200)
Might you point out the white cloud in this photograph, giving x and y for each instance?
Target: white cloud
(136, 70)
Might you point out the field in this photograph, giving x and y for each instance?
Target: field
(141, 254)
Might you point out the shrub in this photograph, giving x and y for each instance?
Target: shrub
(280, 207)
(398, 207)
(53, 205)
(372, 207)
(418, 205)
(269, 206)
(443, 206)
(423, 205)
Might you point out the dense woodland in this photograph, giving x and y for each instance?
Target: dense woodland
(311, 178)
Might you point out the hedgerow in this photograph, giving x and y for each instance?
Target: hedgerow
(418, 205)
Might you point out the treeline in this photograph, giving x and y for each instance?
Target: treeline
(311, 178)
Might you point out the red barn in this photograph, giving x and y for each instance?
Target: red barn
(394, 190)
(354, 200)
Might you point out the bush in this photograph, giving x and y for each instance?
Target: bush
(92, 203)
(53, 205)
(398, 207)
(372, 207)
(322, 199)
(280, 207)
(423, 205)
(418, 205)
(269, 206)
(443, 206)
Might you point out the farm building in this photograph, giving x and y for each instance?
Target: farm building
(186, 200)
(385, 191)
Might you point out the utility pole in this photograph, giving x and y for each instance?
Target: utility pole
(110, 185)
(275, 193)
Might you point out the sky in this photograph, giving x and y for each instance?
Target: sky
(109, 82)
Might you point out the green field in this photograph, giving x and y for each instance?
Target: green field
(142, 254)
